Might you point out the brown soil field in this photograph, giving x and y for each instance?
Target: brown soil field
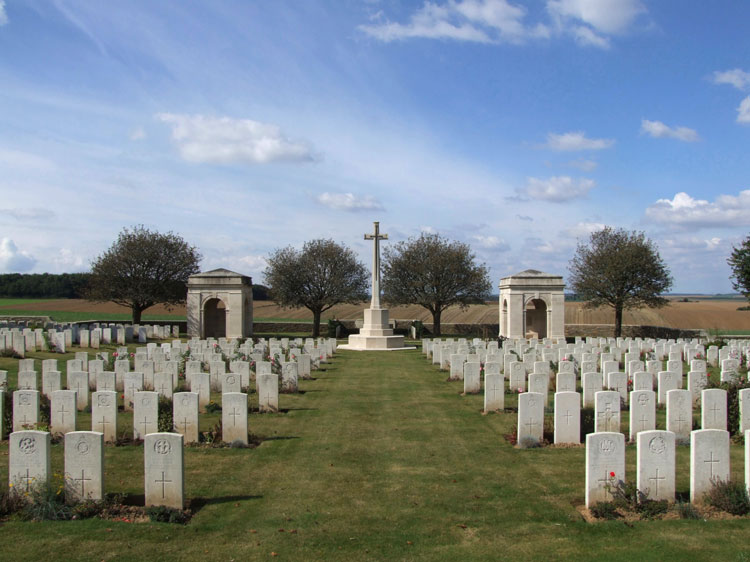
(698, 314)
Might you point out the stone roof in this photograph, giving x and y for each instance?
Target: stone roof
(533, 273)
(221, 272)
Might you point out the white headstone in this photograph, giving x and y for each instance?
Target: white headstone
(642, 411)
(605, 465)
(714, 409)
(668, 380)
(567, 417)
(104, 414)
(494, 392)
(230, 382)
(591, 383)
(655, 461)
(607, 411)
(234, 416)
(268, 392)
(164, 470)
(145, 414)
(25, 409)
(79, 381)
(29, 462)
(63, 412)
(530, 418)
(709, 460)
(185, 415)
(84, 466)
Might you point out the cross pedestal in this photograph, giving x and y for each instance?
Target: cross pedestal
(376, 333)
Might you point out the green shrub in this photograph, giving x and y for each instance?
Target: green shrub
(45, 501)
(728, 496)
(164, 514)
(213, 407)
(687, 511)
(166, 422)
(605, 510)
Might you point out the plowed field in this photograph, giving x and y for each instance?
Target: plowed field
(703, 314)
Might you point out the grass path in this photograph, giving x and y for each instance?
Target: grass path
(379, 459)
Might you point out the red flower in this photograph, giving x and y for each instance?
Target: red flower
(611, 474)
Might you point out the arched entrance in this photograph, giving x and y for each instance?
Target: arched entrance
(215, 319)
(536, 319)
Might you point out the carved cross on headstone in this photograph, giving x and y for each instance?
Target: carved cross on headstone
(62, 412)
(711, 460)
(163, 481)
(655, 480)
(83, 481)
(376, 237)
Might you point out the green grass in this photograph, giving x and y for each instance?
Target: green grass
(72, 316)
(14, 302)
(734, 332)
(380, 459)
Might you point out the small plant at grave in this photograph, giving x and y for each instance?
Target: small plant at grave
(165, 422)
(733, 402)
(213, 407)
(45, 410)
(164, 514)
(686, 510)
(11, 502)
(7, 409)
(86, 509)
(728, 496)
(529, 443)
(9, 353)
(605, 510)
(45, 501)
(213, 435)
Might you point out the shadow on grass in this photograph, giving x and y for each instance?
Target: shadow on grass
(280, 438)
(196, 504)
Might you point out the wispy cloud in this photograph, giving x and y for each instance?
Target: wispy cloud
(743, 111)
(574, 141)
(223, 140)
(735, 77)
(349, 202)
(35, 213)
(3, 13)
(493, 243)
(657, 129)
(558, 189)
(478, 21)
(590, 21)
(583, 164)
(683, 211)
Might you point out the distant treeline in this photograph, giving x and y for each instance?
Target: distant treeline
(43, 285)
(64, 286)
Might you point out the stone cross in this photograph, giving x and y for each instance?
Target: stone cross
(376, 237)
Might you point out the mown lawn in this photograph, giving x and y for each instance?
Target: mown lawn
(379, 459)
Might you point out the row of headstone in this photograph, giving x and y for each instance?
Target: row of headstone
(655, 463)
(29, 465)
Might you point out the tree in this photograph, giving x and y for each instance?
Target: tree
(143, 268)
(739, 261)
(620, 269)
(434, 273)
(320, 276)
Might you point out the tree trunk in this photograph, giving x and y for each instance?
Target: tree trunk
(436, 322)
(137, 310)
(316, 323)
(618, 320)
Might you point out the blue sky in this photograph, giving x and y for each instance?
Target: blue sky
(517, 127)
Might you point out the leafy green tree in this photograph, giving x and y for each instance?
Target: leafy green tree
(143, 268)
(620, 269)
(318, 277)
(434, 273)
(739, 261)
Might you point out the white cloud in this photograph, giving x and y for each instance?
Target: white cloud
(524, 218)
(583, 164)
(13, 260)
(743, 111)
(224, 140)
(685, 211)
(25, 160)
(587, 37)
(691, 244)
(558, 188)
(428, 229)
(605, 16)
(492, 243)
(657, 129)
(479, 21)
(34, 213)
(582, 229)
(137, 134)
(576, 140)
(3, 13)
(736, 77)
(67, 261)
(349, 202)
